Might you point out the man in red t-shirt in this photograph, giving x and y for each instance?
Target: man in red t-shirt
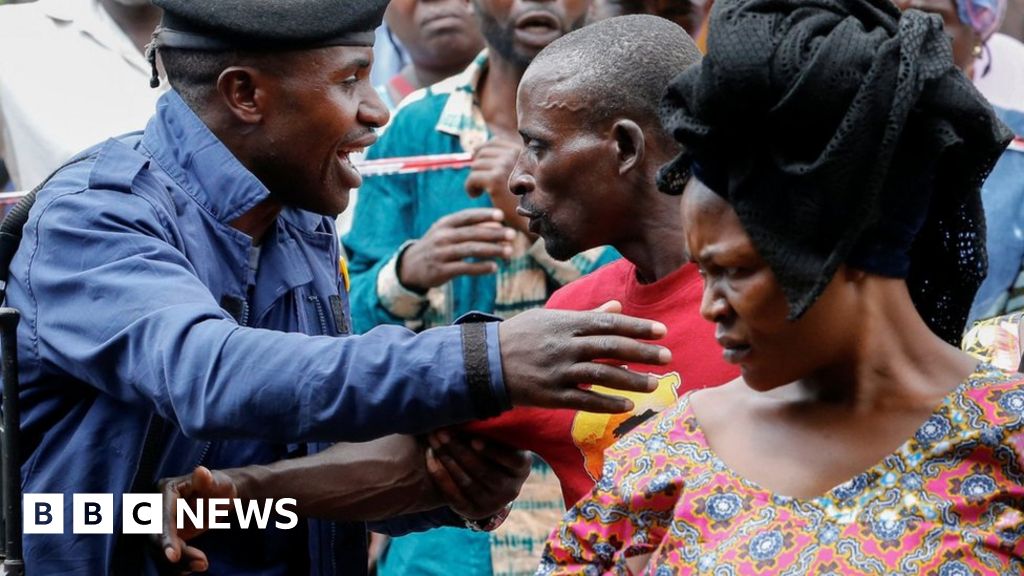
(593, 142)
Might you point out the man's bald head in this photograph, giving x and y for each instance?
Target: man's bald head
(616, 67)
(587, 110)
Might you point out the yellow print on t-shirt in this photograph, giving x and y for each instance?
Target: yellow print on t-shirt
(593, 433)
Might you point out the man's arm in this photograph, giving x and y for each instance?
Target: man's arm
(110, 301)
(371, 481)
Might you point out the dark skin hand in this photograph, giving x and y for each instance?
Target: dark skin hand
(387, 477)
(475, 475)
(441, 253)
(547, 354)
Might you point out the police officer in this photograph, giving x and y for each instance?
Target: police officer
(182, 300)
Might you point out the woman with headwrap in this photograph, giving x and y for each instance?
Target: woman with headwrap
(837, 156)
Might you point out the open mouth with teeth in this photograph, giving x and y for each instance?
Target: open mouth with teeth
(344, 154)
(348, 168)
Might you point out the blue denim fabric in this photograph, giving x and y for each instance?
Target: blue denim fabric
(1003, 198)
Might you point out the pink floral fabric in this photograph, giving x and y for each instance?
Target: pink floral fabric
(948, 502)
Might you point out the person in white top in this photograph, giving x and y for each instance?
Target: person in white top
(73, 73)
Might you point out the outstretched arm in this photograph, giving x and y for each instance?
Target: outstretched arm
(370, 481)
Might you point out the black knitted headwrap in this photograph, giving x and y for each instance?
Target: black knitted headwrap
(840, 131)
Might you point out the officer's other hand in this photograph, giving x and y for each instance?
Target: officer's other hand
(547, 355)
(200, 484)
(442, 253)
(476, 478)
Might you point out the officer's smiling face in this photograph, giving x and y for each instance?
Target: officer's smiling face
(323, 110)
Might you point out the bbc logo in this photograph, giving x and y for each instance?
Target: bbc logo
(92, 513)
(143, 513)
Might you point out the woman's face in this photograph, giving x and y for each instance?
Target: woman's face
(748, 307)
(963, 37)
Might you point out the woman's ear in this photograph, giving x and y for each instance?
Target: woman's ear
(630, 145)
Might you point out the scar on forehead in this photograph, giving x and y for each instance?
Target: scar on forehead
(555, 88)
(559, 94)
(562, 102)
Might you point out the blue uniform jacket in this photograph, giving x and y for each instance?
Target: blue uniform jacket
(136, 300)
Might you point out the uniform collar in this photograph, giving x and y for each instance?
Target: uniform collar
(200, 163)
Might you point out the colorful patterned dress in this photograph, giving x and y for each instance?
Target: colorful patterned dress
(948, 502)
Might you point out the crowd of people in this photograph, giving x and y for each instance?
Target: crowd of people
(705, 287)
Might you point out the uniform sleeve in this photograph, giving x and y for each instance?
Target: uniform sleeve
(109, 300)
(626, 515)
(382, 224)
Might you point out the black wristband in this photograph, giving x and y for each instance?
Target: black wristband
(478, 369)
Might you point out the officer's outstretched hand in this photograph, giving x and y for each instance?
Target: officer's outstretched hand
(546, 356)
(200, 484)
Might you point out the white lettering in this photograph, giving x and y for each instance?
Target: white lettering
(219, 509)
(252, 510)
(196, 516)
(293, 518)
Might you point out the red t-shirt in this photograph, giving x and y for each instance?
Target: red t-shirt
(573, 442)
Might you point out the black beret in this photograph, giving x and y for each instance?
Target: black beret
(262, 25)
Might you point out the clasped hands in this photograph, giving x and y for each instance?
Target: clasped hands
(369, 481)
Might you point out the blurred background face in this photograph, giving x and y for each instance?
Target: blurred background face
(686, 13)
(964, 38)
(517, 30)
(436, 33)
(746, 303)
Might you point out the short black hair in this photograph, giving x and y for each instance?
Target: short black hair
(621, 66)
(194, 73)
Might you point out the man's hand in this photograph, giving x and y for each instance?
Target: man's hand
(477, 479)
(441, 253)
(492, 165)
(547, 354)
(201, 484)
